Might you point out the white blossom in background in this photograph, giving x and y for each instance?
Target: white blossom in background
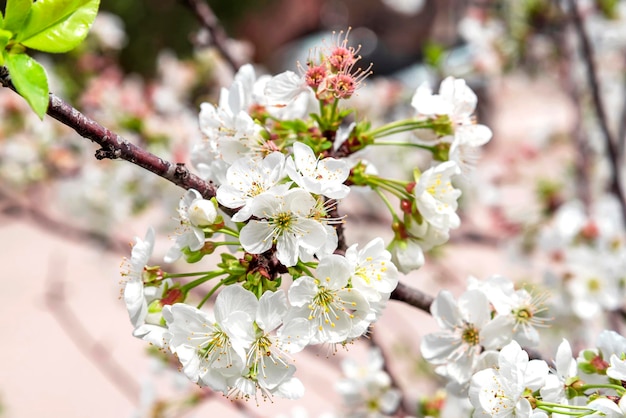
(366, 389)
(591, 284)
(499, 392)
(109, 30)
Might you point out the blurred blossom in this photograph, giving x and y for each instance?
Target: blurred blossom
(109, 30)
(407, 7)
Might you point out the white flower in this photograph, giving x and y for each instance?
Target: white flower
(247, 178)
(133, 291)
(283, 220)
(427, 235)
(499, 392)
(373, 273)
(267, 362)
(212, 352)
(287, 96)
(592, 285)
(406, 254)
(457, 101)
(322, 177)
(193, 212)
(139, 296)
(436, 198)
(519, 309)
(202, 213)
(606, 408)
(617, 369)
(467, 327)
(331, 308)
(566, 368)
(367, 390)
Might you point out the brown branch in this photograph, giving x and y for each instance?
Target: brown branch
(114, 146)
(17, 208)
(413, 297)
(94, 351)
(592, 79)
(403, 406)
(209, 21)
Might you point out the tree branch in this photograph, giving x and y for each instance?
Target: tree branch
(207, 19)
(18, 208)
(94, 351)
(114, 146)
(592, 79)
(413, 297)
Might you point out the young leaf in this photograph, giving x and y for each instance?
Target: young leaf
(16, 13)
(29, 79)
(5, 36)
(58, 25)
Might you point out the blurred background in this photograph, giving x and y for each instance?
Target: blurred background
(67, 220)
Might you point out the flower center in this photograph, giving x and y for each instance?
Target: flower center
(471, 335)
(283, 221)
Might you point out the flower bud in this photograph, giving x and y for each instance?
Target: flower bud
(202, 213)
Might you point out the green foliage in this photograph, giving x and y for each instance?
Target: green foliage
(15, 14)
(29, 79)
(44, 25)
(58, 25)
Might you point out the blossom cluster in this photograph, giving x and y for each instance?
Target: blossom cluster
(282, 157)
(485, 318)
(592, 385)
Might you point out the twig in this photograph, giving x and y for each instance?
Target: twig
(583, 150)
(402, 407)
(20, 209)
(413, 297)
(114, 146)
(94, 351)
(592, 79)
(207, 19)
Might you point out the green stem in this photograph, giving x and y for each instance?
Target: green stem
(217, 244)
(404, 144)
(397, 127)
(185, 288)
(211, 292)
(619, 389)
(302, 266)
(387, 203)
(228, 231)
(195, 273)
(396, 187)
(555, 408)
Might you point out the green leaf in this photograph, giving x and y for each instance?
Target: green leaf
(29, 79)
(16, 13)
(5, 37)
(58, 25)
